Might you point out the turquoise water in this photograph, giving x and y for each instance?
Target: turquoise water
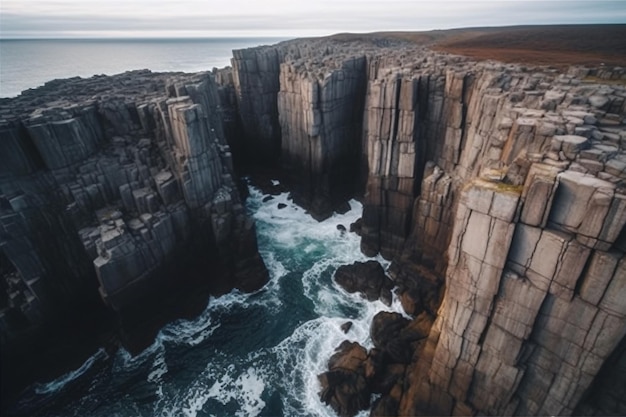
(26, 63)
(246, 354)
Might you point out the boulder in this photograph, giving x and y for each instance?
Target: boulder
(356, 226)
(344, 386)
(346, 326)
(387, 333)
(346, 392)
(367, 278)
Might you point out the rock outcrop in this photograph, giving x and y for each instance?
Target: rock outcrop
(320, 118)
(498, 192)
(367, 278)
(104, 181)
(304, 101)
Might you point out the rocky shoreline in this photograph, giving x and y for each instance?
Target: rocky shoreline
(496, 190)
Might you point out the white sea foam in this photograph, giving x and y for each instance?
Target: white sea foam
(57, 384)
(294, 247)
(304, 355)
(243, 390)
(250, 386)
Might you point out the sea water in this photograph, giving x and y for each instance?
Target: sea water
(29, 63)
(253, 354)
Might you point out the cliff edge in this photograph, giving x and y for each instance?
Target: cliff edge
(496, 189)
(109, 184)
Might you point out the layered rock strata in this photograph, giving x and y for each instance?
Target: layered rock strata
(106, 180)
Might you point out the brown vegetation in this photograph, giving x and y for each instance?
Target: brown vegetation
(545, 45)
(558, 46)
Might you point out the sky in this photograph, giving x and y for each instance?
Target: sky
(283, 18)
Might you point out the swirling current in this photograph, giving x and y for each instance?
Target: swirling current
(253, 354)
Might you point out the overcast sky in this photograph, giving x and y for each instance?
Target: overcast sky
(285, 18)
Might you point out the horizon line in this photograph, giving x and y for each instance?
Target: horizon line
(172, 35)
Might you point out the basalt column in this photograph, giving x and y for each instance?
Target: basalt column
(393, 160)
(320, 113)
(256, 78)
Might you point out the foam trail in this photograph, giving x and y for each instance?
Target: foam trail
(55, 386)
(248, 354)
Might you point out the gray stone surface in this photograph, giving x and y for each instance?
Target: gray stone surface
(115, 175)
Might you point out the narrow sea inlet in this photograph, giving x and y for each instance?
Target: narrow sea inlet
(246, 354)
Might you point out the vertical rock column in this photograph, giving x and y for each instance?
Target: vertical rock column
(37, 235)
(320, 113)
(391, 135)
(531, 308)
(256, 78)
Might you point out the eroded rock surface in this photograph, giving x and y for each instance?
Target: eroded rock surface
(497, 190)
(367, 278)
(105, 180)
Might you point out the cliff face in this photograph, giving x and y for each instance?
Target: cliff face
(498, 191)
(320, 118)
(105, 181)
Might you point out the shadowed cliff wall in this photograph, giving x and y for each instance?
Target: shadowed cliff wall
(105, 181)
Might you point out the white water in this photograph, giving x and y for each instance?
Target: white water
(246, 354)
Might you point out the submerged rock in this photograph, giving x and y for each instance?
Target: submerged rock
(346, 326)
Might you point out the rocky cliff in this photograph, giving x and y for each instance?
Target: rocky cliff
(498, 192)
(105, 183)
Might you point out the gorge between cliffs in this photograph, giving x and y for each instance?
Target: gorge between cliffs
(378, 227)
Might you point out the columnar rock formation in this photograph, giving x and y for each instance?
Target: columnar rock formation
(114, 178)
(496, 189)
(320, 118)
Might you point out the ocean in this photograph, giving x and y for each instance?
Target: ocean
(28, 63)
(251, 355)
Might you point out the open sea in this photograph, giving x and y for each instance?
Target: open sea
(247, 354)
(28, 63)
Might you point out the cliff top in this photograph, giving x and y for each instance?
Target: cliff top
(555, 45)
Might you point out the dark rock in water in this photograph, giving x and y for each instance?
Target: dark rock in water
(396, 335)
(356, 226)
(345, 387)
(343, 208)
(346, 392)
(387, 334)
(346, 326)
(281, 206)
(411, 302)
(367, 278)
(349, 356)
(341, 228)
(268, 198)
